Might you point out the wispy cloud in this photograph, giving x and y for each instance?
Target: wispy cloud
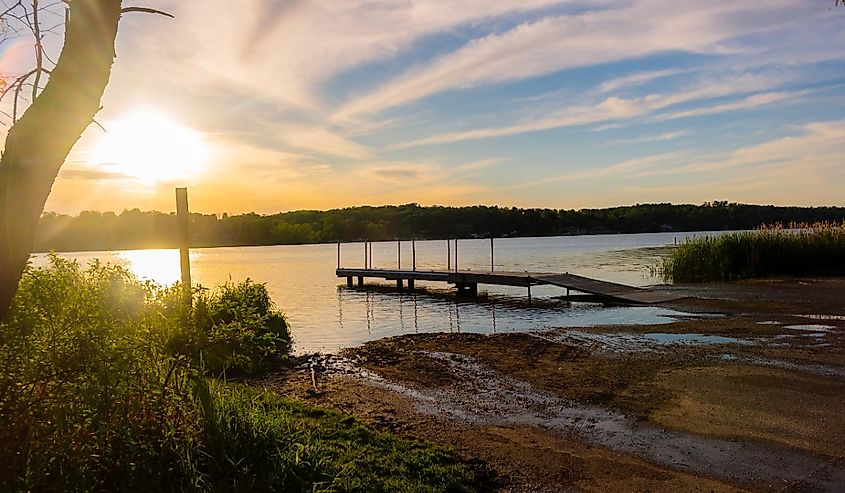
(89, 174)
(637, 79)
(619, 108)
(649, 138)
(753, 101)
(556, 43)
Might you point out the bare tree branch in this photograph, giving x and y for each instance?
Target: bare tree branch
(39, 49)
(146, 10)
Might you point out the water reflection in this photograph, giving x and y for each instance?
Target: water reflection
(326, 315)
(160, 266)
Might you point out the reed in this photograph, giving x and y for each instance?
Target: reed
(771, 250)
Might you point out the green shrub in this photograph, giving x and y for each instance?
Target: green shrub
(769, 251)
(103, 388)
(242, 329)
(89, 396)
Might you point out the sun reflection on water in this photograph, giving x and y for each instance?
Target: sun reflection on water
(160, 266)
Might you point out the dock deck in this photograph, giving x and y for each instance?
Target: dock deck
(468, 280)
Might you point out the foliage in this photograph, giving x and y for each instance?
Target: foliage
(103, 388)
(90, 396)
(240, 327)
(769, 251)
(136, 229)
(320, 450)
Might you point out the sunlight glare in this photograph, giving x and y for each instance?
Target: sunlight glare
(159, 266)
(151, 147)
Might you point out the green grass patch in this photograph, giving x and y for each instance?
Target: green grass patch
(768, 251)
(258, 441)
(108, 383)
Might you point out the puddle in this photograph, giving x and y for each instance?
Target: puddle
(769, 322)
(816, 369)
(484, 398)
(823, 317)
(626, 342)
(810, 327)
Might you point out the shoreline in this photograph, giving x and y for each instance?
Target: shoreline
(754, 405)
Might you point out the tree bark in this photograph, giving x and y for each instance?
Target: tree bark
(39, 142)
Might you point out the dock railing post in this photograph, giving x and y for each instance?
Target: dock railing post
(365, 254)
(371, 255)
(338, 255)
(529, 290)
(456, 255)
(399, 254)
(448, 254)
(492, 265)
(413, 254)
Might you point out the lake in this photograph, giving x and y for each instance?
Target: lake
(325, 315)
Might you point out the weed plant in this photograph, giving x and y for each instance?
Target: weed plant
(106, 385)
(797, 250)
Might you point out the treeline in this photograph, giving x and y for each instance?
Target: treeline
(136, 229)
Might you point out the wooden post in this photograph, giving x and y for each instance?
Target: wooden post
(492, 265)
(456, 255)
(338, 255)
(371, 255)
(448, 254)
(529, 290)
(413, 254)
(183, 221)
(365, 254)
(399, 254)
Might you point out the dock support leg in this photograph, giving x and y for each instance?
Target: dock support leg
(399, 284)
(360, 281)
(529, 295)
(349, 281)
(473, 289)
(410, 284)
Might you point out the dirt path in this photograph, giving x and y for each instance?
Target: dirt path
(750, 400)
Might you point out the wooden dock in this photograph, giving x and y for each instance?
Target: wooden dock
(468, 281)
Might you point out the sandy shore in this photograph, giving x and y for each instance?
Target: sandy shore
(746, 395)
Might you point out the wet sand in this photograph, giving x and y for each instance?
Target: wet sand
(745, 396)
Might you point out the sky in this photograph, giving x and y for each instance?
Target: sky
(268, 105)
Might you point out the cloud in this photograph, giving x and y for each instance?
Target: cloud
(803, 168)
(749, 102)
(92, 174)
(284, 51)
(553, 44)
(637, 79)
(611, 108)
(649, 138)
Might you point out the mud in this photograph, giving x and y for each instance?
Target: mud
(748, 400)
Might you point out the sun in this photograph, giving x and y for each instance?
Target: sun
(151, 147)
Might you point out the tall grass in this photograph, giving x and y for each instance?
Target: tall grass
(817, 249)
(106, 385)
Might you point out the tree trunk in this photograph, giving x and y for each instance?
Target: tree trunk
(38, 144)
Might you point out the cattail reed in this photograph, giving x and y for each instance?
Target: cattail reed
(771, 250)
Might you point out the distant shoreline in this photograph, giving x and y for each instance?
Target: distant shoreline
(134, 229)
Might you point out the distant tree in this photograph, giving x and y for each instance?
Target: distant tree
(38, 143)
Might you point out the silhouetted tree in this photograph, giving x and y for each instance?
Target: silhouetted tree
(38, 143)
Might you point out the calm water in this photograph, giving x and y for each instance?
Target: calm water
(325, 315)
